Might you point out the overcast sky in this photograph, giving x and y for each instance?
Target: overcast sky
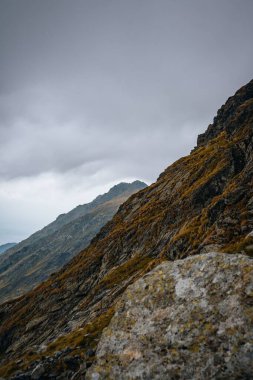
(97, 92)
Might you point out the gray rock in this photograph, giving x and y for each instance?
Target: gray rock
(38, 371)
(58, 354)
(191, 319)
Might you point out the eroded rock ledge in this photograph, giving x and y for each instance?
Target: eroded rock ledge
(188, 319)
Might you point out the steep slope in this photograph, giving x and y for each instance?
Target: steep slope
(201, 201)
(5, 247)
(34, 259)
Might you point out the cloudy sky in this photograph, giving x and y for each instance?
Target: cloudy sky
(94, 92)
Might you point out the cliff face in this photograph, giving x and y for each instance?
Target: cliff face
(46, 251)
(202, 201)
(188, 319)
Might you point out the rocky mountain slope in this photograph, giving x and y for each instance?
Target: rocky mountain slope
(201, 202)
(5, 247)
(198, 310)
(46, 251)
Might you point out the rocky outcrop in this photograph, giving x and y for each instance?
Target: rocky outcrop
(189, 319)
(201, 202)
(225, 119)
(46, 251)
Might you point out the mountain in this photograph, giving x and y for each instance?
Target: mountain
(6, 246)
(46, 251)
(202, 202)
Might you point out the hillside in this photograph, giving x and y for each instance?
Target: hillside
(201, 202)
(46, 251)
(5, 247)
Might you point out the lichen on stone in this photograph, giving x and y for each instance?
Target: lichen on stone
(190, 319)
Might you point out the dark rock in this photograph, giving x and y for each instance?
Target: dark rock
(215, 211)
(90, 353)
(72, 363)
(38, 372)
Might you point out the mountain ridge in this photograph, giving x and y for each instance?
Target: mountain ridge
(201, 201)
(6, 246)
(46, 251)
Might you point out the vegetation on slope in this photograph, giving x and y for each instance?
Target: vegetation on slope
(34, 259)
(201, 202)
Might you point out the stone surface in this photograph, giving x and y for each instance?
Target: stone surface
(191, 319)
(38, 371)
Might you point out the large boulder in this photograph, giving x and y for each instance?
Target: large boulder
(188, 319)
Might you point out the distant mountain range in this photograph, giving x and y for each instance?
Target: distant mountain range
(6, 246)
(46, 251)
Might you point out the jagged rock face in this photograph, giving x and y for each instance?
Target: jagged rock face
(46, 251)
(202, 201)
(190, 319)
(224, 121)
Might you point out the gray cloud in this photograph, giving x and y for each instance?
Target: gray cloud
(93, 92)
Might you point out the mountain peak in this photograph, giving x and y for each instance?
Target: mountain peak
(120, 189)
(122, 186)
(231, 114)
